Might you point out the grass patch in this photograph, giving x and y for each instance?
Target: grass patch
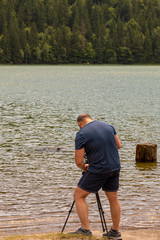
(51, 236)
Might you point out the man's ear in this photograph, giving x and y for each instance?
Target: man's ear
(79, 124)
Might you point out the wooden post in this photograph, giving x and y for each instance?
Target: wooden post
(146, 152)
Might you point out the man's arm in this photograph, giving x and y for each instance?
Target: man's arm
(79, 158)
(118, 143)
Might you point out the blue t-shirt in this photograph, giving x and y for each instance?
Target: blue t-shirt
(98, 139)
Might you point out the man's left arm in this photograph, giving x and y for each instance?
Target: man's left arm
(79, 159)
(118, 143)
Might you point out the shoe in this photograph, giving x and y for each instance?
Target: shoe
(82, 231)
(113, 235)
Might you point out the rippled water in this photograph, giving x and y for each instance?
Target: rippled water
(38, 107)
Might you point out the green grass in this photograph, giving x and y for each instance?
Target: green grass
(50, 236)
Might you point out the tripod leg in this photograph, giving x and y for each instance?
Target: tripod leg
(68, 217)
(101, 212)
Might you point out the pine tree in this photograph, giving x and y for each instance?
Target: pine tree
(51, 13)
(124, 55)
(27, 54)
(62, 10)
(9, 6)
(63, 44)
(134, 40)
(6, 54)
(33, 36)
(38, 15)
(14, 36)
(148, 50)
(25, 12)
(2, 17)
(126, 10)
(76, 51)
(156, 44)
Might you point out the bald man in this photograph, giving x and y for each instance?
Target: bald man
(99, 141)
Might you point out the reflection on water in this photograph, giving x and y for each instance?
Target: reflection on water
(146, 166)
(39, 106)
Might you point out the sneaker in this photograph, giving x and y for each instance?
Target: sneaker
(113, 235)
(82, 231)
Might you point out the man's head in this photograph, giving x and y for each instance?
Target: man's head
(83, 119)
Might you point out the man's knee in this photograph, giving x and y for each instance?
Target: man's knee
(80, 193)
(76, 194)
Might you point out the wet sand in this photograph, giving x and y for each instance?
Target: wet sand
(137, 234)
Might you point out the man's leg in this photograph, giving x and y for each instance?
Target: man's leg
(81, 206)
(114, 208)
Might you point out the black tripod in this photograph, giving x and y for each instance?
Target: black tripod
(101, 213)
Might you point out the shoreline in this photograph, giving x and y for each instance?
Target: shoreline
(134, 234)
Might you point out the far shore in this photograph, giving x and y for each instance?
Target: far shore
(137, 234)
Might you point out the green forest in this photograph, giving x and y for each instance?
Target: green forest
(79, 31)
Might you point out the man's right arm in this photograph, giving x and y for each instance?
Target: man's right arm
(79, 158)
(118, 143)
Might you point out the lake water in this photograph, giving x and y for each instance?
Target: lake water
(38, 107)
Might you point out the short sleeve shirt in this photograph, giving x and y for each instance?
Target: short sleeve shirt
(98, 140)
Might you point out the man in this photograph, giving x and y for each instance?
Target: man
(99, 141)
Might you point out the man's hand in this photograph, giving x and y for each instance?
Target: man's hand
(86, 165)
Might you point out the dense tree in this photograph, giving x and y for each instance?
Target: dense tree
(79, 31)
(124, 55)
(25, 12)
(134, 40)
(51, 13)
(2, 17)
(148, 49)
(6, 47)
(156, 44)
(14, 37)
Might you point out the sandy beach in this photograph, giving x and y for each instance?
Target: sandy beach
(126, 235)
(141, 235)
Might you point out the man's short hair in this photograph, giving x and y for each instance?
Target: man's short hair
(82, 117)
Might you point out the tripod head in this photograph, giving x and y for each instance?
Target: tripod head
(85, 159)
(86, 163)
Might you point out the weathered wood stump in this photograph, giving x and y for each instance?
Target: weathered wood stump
(146, 152)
